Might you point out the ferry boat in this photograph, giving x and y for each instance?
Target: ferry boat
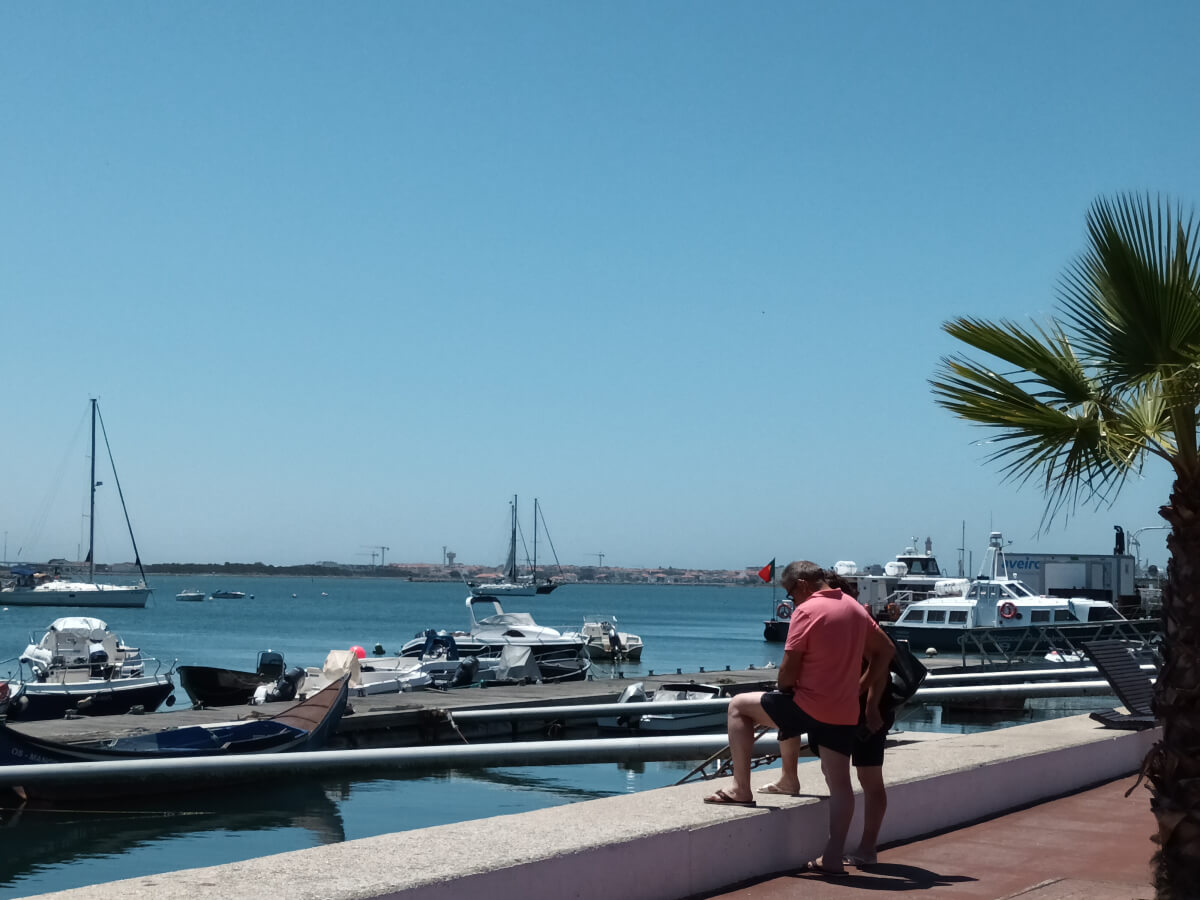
(912, 575)
(1000, 611)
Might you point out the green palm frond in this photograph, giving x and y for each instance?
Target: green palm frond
(1133, 297)
(1047, 355)
(1082, 401)
(1075, 450)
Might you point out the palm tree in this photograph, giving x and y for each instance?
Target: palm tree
(1085, 400)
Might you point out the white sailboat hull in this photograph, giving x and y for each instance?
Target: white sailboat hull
(78, 593)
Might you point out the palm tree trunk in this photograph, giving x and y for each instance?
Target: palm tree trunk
(1173, 764)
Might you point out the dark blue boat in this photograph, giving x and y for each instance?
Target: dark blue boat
(304, 726)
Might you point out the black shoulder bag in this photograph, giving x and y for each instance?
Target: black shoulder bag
(905, 674)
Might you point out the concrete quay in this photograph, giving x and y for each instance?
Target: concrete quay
(941, 836)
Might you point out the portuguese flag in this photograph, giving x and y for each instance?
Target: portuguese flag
(767, 572)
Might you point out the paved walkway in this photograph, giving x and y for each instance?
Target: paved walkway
(1094, 845)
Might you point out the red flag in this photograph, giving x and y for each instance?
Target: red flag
(767, 572)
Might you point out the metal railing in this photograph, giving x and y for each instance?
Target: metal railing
(1014, 644)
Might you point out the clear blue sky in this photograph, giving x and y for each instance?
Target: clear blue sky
(353, 274)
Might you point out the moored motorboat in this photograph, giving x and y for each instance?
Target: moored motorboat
(605, 641)
(213, 686)
(397, 674)
(642, 718)
(559, 656)
(190, 595)
(82, 667)
(996, 612)
(228, 595)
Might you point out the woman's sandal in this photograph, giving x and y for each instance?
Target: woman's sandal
(721, 798)
(812, 867)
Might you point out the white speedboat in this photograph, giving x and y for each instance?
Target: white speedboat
(605, 641)
(558, 656)
(397, 674)
(642, 718)
(80, 665)
(190, 595)
(1012, 615)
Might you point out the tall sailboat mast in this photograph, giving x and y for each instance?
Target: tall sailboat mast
(91, 557)
(533, 573)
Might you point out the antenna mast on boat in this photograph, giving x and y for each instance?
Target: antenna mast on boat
(137, 557)
(91, 557)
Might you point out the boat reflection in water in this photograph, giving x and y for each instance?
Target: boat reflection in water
(39, 835)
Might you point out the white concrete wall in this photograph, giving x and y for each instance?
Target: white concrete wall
(666, 844)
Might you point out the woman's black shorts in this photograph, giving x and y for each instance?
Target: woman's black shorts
(793, 722)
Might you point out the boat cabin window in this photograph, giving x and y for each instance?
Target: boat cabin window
(914, 615)
(935, 615)
(921, 565)
(1063, 615)
(1039, 615)
(958, 617)
(1019, 589)
(994, 592)
(1105, 613)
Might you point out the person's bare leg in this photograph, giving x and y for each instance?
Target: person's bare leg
(745, 712)
(789, 773)
(874, 808)
(836, 769)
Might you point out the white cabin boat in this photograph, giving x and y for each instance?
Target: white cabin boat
(559, 656)
(993, 601)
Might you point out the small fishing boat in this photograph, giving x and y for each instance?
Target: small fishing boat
(190, 595)
(79, 666)
(641, 717)
(604, 641)
(228, 595)
(212, 686)
(303, 726)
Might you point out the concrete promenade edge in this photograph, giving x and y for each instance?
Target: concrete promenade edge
(666, 844)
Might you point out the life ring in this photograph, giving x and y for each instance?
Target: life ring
(1008, 609)
(783, 611)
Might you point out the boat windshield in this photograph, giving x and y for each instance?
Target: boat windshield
(1018, 589)
(921, 565)
(509, 619)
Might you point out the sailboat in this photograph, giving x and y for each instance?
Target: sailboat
(513, 583)
(47, 586)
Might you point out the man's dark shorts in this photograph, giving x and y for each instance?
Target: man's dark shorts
(793, 722)
(868, 748)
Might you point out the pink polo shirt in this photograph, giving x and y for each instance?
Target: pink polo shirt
(829, 630)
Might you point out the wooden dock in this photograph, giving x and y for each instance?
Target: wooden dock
(413, 718)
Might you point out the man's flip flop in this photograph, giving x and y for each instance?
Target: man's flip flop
(720, 798)
(776, 789)
(815, 868)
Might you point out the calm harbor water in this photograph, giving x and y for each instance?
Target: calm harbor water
(683, 628)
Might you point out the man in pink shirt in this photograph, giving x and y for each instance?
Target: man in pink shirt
(819, 684)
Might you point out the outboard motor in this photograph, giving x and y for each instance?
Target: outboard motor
(97, 659)
(466, 673)
(287, 685)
